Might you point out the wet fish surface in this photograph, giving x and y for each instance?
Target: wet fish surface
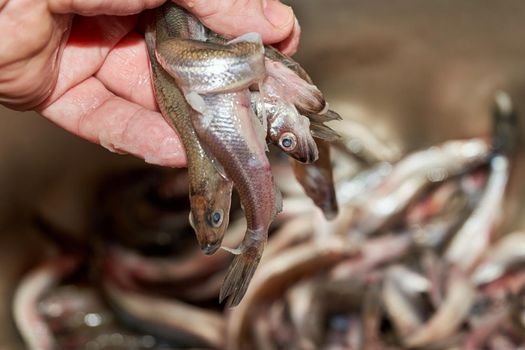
(215, 80)
(210, 192)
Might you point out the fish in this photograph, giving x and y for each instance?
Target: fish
(507, 252)
(358, 141)
(401, 299)
(34, 330)
(371, 319)
(209, 191)
(215, 79)
(485, 327)
(229, 134)
(288, 77)
(412, 175)
(275, 277)
(179, 269)
(286, 128)
(435, 217)
(505, 132)
(299, 301)
(299, 90)
(304, 95)
(448, 318)
(372, 254)
(473, 238)
(208, 68)
(317, 180)
(355, 189)
(169, 319)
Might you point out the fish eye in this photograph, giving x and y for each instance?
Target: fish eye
(216, 218)
(288, 141)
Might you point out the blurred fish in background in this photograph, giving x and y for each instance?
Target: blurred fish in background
(426, 252)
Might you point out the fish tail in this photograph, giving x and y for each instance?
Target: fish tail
(329, 207)
(327, 116)
(505, 131)
(240, 273)
(324, 132)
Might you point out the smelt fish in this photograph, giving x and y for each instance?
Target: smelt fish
(318, 181)
(210, 192)
(214, 79)
(227, 131)
(286, 128)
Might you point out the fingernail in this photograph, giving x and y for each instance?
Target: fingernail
(278, 14)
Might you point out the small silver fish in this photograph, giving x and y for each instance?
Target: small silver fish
(227, 130)
(317, 180)
(286, 128)
(209, 191)
(35, 332)
(207, 68)
(215, 79)
(167, 318)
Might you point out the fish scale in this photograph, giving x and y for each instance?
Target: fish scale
(209, 191)
(226, 136)
(215, 78)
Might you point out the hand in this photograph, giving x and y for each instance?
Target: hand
(90, 74)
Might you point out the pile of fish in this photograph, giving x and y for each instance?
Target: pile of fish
(415, 255)
(140, 282)
(416, 260)
(227, 100)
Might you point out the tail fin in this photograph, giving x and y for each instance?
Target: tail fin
(329, 207)
(240, 274)
(324, 117)
(324, 132)
(332, 115)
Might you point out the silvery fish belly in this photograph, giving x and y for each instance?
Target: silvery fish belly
(228, 131)
(210, 193)
(227, 128)
(207, 68)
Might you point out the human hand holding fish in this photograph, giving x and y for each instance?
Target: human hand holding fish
(84, 65)
(108, 99)
(227, 99)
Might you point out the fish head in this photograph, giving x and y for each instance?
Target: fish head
(209, 217)
(290, 131)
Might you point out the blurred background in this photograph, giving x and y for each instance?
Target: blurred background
(416, 73)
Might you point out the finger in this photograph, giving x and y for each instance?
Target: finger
(91, 111)
(89, 43)
(126, 73)
(290, 45)
(273, 20)
(102, 7)
(29, 49)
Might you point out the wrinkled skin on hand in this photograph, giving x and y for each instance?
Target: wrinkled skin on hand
(89, 73)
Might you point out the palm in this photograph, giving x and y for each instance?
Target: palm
(103, 91)
(95, 82)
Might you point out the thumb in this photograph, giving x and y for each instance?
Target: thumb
(270, 18)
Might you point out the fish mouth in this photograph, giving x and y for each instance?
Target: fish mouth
(310, 157)
(313, 153)
(210, 248)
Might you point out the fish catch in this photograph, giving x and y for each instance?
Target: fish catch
(215, 76)
(209, 191)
